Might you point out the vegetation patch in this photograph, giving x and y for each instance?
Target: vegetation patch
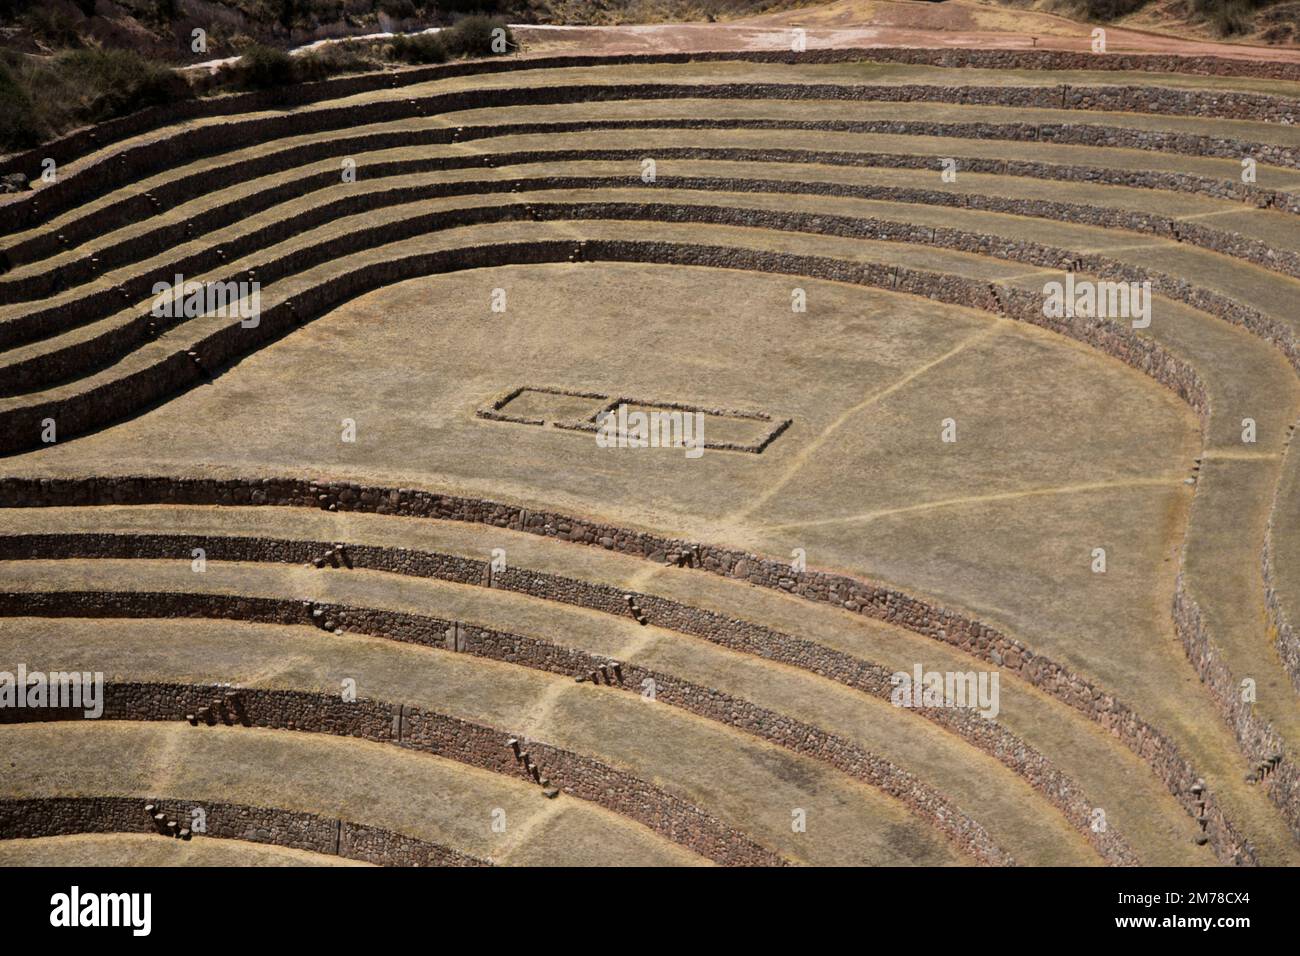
(43, 97)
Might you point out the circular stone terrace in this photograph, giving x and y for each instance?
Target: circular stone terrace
(393, 478)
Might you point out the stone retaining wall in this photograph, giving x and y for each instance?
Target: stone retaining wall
(921, 799)
(121, 397)
(874, 600)
(51, 282)
(1139, 352)
(77, 144)
(1280, 583)
(82, 358)
(63, 816)
(137, 161)
(1279, 617)
(1255, 736)
(672, 817)
(183, 189)
(737, 635)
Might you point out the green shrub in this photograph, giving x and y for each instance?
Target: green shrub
(264, 68)
(19, 124)
(43, 97)
(1230, 17)
(52, 26)
(472, 36)
(99, 84)
(420, 48)
(1230, 20)
(332, 59)
(310, 67)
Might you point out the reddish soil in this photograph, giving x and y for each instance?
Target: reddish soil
(884, 23)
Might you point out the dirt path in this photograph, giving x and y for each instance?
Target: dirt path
(884, 23)
(856, 23)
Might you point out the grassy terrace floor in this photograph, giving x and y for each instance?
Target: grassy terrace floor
(424, 796)
(736, 777)
(803, 537)
(1016, 817)
(1146, 815)
(789, 183)
(131, 849)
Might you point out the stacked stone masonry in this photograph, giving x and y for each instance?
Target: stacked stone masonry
(428, 732)
(83, 358)
(182, 189)
(64, 816)
(1279, 586)
(82, 142)
(145, 244)
(794, 735)
(119, 398)
(858, 596)
(144, 159)
(742, 636)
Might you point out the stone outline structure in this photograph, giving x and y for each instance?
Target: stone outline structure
(32, 817)
(495, 413)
